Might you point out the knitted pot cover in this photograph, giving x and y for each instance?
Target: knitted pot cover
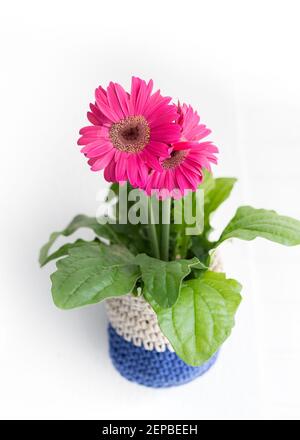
(139, 350)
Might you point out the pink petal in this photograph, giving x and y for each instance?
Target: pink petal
(113, 101)
(121, 167)
(109, 172)
(102, 161)
(93, 119)
(132, 169)
(141, 98)
(190, 166)
(170, 181)
(102, 103)
(94, 130)
(135, 87)
(168, 133)
(164, 115)
(156, 104)
(182, 182)
(152, 182)
(143, 172)
(97, 151)
(102, 119)
(192, 178)
(123, 99)
(205, 146)
(158, 149)
(88, 139)
(151, 160)
(93, 144)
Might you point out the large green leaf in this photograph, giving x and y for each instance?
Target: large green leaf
(162, 280)
(91, 273)
(249, 223)
(80, 221)
(202, 318)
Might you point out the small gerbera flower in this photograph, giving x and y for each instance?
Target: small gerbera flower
(130, 132)
(183, 169)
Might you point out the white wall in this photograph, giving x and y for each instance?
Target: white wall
(237, 62)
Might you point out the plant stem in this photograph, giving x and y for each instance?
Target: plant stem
(153, 232)
(165, 229)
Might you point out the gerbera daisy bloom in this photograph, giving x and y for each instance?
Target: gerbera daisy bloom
(183, 169)
(130, 132)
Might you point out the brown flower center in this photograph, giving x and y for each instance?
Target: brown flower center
(131, 134)
(176, 158)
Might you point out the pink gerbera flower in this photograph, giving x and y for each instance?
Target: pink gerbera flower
(183, 169)
(130, 132)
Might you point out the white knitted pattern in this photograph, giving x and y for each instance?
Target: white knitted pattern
(133, 319)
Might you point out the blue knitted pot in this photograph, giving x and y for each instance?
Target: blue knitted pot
(150, 367)
(138, 348)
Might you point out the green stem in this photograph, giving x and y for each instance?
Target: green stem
(165, 229)
(153, 232)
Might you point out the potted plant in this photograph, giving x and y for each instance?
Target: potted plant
(170, 306)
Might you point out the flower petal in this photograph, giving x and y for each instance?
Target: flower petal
(109, 172)
(102, 161)
(158, 149)
(151, 160)
(103, 104)
(113, 101)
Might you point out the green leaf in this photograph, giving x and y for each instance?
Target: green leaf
(200, 266)
(216, 191)
(132, 236)
(63, 250)
(162, 280)
(80, 221)
(218, 194)
(202, 318)
(200, 248)
(249, 223)
(207, 185)
(91, 273)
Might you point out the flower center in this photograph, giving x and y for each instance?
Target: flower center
(131, 134)
(176, 158)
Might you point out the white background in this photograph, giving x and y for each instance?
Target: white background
(237, 62)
